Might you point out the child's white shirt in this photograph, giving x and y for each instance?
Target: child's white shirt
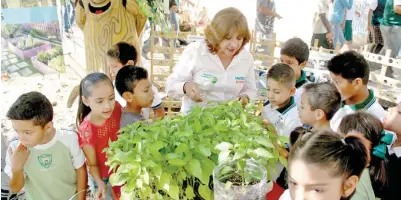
(299, 85)
(351, 13)
(287, 117)
(370, 105)
(157, 101)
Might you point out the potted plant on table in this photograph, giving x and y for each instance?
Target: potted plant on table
(174, 158)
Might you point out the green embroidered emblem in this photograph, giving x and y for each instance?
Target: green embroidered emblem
(45, 160)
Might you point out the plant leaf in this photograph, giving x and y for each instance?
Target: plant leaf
(203, 150)
(284, 139)
(189, 192)
(260, 152)
(165, 180)
(224, 146)
(177, 162)
(208, 166)
(238, 155)
(265, 142)
(174, 192)
(181, 148)
(118, 179)
(223, 156)
(156, 146)
(194, 168)
(205, 192)
(185, 133)
(283, 161)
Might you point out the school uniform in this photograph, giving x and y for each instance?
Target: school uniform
(198, 65)
(284, 119)
(370, 105)
(299, 86)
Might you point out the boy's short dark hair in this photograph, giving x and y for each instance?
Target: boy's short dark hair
(350, 65)
(32, 106)
(283, 74)
(297, 48)
(323, 96)
(128, 77)
(124, 52)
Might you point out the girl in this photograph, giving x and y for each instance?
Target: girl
(392, 122)
(373, 130)
(325, 165)
(98, 119)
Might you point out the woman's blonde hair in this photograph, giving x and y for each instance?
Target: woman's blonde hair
(224, 25)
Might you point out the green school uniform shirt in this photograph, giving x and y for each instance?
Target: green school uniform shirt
(50, 168)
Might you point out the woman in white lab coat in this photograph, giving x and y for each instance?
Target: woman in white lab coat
(218, 68)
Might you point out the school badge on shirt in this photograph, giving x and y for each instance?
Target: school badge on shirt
(45, 160)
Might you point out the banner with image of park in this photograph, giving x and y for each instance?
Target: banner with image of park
(31, 39)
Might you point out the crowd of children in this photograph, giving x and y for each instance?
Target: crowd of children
(343, 144)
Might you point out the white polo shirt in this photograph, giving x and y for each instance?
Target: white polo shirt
(198, 65)
(287, 117)
(299, 85)
(370, 105)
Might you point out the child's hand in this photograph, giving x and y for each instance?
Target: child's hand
(18, 157)
(101, 190)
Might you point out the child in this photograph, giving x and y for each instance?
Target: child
(325, 165)
(337, 18)
(47, 162)
(372, 129)
(319, 102)
(133, 85)
(123, 54)
(347, 24)
(295, 53)
(349, 72)
(281, 109)
(98, 119)
(392, 122)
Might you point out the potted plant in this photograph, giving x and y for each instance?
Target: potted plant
(243, 179)
(174, 158)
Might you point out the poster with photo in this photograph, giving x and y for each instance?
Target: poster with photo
(30, 38)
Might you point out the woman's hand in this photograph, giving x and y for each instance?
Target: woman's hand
(244, 99)
(101, 190)
(192, 91)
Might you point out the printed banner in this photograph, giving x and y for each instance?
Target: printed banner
(31, 39)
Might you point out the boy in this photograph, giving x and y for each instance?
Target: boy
(47, 162)
(280, 109)
(295, 53)
(349, 72)
(319, 102)
(347, 26)
(133, 85)
(123, 54)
